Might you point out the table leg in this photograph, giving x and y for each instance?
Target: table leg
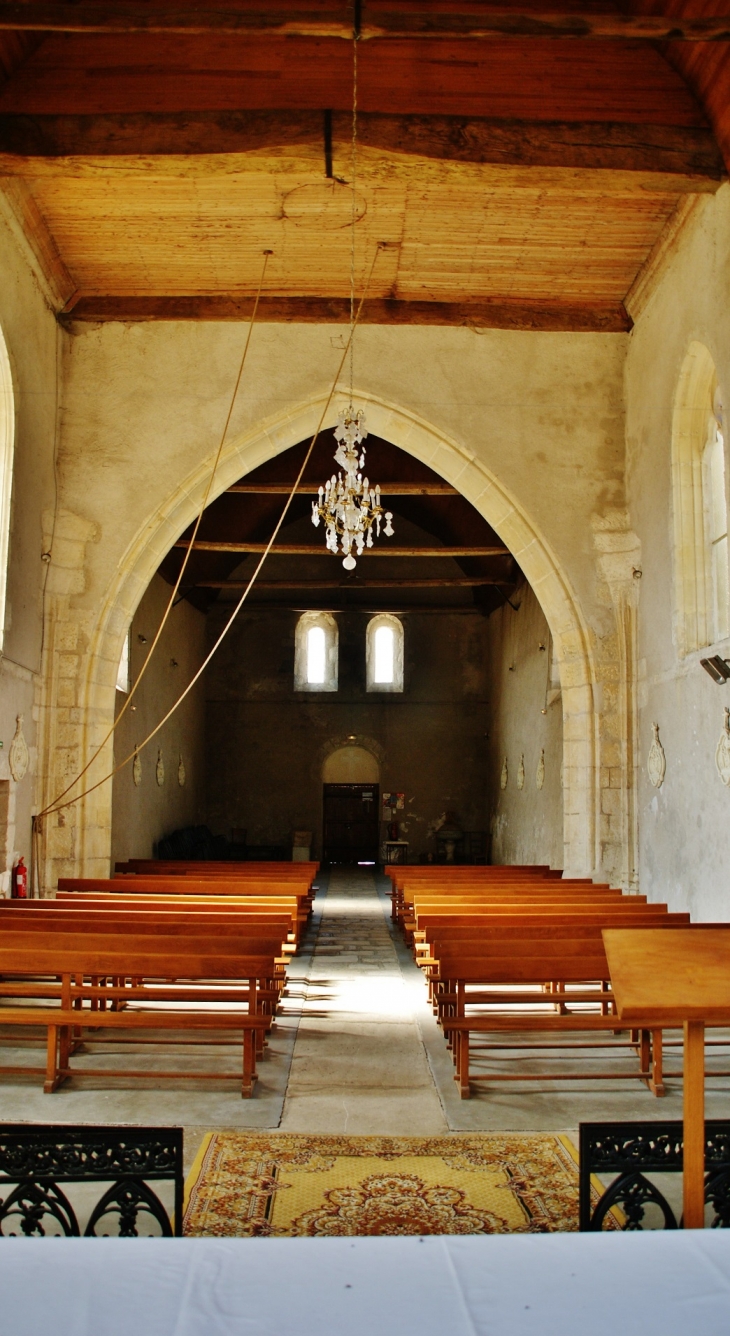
(694, 1125)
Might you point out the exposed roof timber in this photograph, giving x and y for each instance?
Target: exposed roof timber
(311, 489)
(688, 152)
(310, 550)
(374, 610)
(19, 207)
(104, 17)
(352, 586)
(587, 317)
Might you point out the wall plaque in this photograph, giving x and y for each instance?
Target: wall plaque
(722, 751)
(656, 762)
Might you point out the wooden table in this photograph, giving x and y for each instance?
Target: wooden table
(682, 978)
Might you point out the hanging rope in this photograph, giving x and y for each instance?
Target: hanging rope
(57, 805)
(186, 558)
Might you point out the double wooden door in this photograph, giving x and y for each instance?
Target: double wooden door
(350, 830)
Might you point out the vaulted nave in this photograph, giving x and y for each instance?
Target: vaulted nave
(364, 666)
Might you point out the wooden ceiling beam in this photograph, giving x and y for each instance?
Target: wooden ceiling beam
(310, 550)
(352, 586)
(686, 152)
(497, 313)
(101, 16)
(310, 489)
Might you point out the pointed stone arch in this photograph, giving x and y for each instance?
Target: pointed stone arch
(458, 466)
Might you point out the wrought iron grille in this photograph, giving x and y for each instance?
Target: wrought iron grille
(631, 1151)
(36, 1158)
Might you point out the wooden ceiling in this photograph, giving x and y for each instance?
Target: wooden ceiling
(517, 176)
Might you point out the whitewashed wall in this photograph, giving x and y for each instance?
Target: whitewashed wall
(31, 337)
(684, 825)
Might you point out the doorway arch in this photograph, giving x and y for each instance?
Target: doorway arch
(351, 765)
(458, 466)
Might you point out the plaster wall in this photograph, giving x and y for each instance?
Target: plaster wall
(145, 812)
(525, 728)
(267, 743)
(684, 826)
(528, 426)
(31, 337)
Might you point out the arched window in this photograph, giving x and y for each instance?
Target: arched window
(699, 506)
(123, 669)
(384, 653)
(716, 518)
(7, 430)
(316, 652)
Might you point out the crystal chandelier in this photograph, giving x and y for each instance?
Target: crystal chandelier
(348, 506)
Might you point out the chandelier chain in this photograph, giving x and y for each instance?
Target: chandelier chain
(353, 174)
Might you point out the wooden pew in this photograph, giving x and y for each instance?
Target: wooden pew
(445, 876)
(406, 888)
(129, 887)
(519, 961)
(149, 968)
(154, 867)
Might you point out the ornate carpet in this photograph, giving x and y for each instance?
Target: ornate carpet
(275, 1185)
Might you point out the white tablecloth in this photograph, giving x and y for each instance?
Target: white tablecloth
(671, 1283)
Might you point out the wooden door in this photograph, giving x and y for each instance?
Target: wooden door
(350, 828)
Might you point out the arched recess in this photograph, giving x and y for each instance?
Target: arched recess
(351, 765)
(695, 407)
(457, 465)
(7, 432)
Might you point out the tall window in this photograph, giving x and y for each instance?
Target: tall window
(7, 430)
(699, 500)
(716, 520)
(316, 652)
(123, 669)
(384, 653)
(316, 656)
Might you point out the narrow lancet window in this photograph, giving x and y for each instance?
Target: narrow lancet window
(316, 652)
(384, 653)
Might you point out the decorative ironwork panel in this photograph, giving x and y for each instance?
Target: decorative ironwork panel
(631, 1151)
(35, 1158)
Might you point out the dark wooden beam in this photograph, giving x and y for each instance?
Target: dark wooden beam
(104, 16)
(496, 313)
(310, 489)
(371, 609)
(684, 151)
(310, 550)
(352, 586)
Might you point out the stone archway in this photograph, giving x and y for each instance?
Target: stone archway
(458, 466)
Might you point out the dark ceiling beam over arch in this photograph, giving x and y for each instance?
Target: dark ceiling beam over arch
(687, 23)
(704, 66)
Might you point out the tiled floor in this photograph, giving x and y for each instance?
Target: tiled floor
(359, 1063)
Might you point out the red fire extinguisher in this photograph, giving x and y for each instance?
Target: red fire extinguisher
(19, 888)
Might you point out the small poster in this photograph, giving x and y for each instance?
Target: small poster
(395, 801)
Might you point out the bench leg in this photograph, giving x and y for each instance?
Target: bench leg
(249, 1063)
(462, 1061)
(644, 1052)
(656, 1084)
(53, 1077)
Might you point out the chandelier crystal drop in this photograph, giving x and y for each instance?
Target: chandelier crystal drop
(347, 505)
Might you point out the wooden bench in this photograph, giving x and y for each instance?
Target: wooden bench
(408, 892)
(572, 961)
(194, 893)
(78, 972)
(482, 876)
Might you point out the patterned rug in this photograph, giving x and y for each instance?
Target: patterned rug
(247, 1184)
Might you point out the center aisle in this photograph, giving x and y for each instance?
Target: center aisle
(359, 1065)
